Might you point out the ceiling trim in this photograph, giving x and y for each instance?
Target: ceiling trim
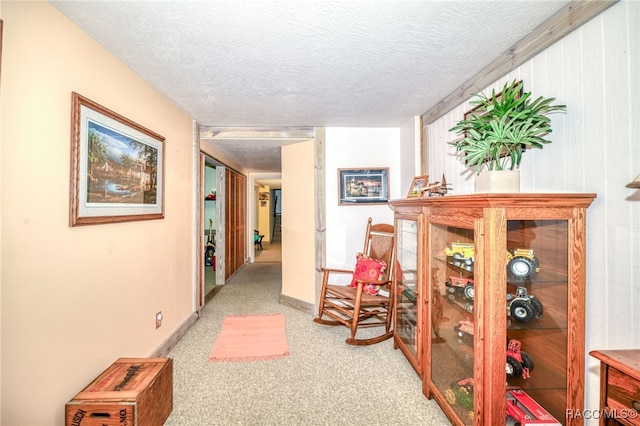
(568, 19)
(256, 133)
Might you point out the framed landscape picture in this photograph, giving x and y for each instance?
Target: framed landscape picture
(117, 167)
(418, 183)
(363, 186)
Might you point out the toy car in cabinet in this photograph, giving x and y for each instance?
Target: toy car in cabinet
(518, 363)
(525, 411)
(460, 283)
(522, 263)
(523, 306)
(462, 254)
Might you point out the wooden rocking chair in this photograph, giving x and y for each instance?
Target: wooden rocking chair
(353, 307)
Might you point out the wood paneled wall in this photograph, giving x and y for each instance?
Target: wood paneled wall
(595, 148)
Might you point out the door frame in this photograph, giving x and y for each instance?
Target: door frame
(204, 160)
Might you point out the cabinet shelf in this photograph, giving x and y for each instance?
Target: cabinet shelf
(523, 282)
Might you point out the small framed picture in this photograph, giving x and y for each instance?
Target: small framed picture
(363, 186)
(418, 183)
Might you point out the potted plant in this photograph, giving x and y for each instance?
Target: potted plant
(499, 129)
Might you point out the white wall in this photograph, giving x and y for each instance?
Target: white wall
(595, 148)
(355, 148)
(410, 157)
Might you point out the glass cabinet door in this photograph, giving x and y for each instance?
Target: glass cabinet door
(537, 265)
(452, 317)
(407, 288)
(536, 301)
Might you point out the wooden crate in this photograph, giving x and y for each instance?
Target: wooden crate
(131, 392)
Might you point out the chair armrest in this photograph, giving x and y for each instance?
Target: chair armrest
(377, 282)
(337, 271)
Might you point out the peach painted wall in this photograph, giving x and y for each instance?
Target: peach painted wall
(76, 299)
(298, 228)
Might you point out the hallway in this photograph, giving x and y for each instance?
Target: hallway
(314, 385)
(270, 253)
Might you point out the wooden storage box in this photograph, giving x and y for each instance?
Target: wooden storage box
(131, 392)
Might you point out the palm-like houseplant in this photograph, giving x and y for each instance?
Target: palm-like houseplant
(499, 129)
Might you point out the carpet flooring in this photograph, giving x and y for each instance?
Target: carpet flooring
(323, 381)
(271, 252)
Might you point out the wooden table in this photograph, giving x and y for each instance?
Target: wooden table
(619, 386)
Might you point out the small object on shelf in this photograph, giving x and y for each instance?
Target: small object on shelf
(464, 330)
(523, 306)
(519, 363)
(460, 283)
(524, 410)
(461, 392)
(522, 264)
(437, 188)
(462, 253)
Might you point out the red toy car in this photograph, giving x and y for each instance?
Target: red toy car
(526, 411)
(463, 284)
(518, 363)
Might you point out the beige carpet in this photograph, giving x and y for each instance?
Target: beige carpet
(315, 385)
(271, 252)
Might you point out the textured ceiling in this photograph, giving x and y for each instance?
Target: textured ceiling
(362, 63)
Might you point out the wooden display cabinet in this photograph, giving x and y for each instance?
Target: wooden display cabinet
(500, 268)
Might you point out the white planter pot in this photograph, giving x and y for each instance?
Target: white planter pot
(498, 181)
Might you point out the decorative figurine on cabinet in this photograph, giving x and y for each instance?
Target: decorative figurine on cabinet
(437, 188)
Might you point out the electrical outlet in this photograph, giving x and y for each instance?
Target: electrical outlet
(158, 319)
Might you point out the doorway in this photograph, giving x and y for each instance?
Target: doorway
(210, 219)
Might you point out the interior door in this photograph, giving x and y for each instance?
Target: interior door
(221, 196)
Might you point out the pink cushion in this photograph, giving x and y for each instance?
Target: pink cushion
(368, 269)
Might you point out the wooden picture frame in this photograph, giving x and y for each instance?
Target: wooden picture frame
(363, 186)
(117, 167)
(418, 183)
